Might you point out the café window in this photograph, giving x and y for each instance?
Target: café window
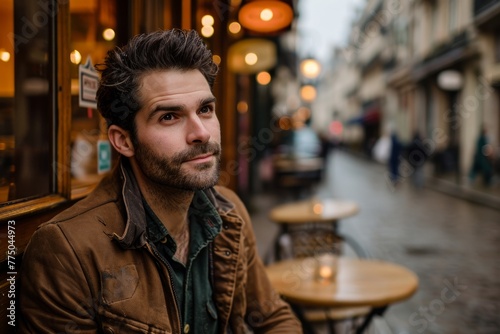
(26, 99)
(34, 160)
(93, 33)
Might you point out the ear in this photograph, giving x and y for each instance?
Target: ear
(121, 141)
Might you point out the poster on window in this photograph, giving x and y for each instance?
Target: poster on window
(89, 82)
(103, 156)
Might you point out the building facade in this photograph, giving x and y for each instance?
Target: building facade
(429, 67)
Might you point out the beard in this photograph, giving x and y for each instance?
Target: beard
(167, 171)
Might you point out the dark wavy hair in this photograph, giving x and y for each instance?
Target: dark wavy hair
(123, 68)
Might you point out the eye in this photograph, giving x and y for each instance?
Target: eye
(167, 117)
(207, 109)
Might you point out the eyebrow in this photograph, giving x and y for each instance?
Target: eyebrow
(165, 107)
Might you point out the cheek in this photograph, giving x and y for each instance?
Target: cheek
(214, 129)
(159, 143)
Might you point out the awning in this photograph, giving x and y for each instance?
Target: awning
(370, 116)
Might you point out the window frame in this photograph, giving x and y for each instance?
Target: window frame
(61, 116)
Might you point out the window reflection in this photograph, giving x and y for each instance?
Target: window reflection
(93, 26)
(25, 100)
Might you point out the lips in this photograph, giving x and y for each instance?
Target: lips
(198, 154)
(202, 158)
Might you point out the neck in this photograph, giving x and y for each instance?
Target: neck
(171, 207)
(169, 204)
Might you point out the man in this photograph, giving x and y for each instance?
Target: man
(157, 247)
(483, 159)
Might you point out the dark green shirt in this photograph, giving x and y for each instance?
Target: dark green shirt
(191, 282)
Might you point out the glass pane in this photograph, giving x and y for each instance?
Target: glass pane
(25, 99)
(93, 29)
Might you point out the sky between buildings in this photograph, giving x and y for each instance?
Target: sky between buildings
(324, 24)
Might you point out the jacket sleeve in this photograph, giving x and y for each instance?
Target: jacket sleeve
(266, 311)
(54, 295)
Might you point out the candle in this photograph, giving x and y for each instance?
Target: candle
(316, 206)
(325, 272)
(326, 268)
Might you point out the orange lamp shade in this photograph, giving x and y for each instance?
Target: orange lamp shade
(265, 16)
(250, 56)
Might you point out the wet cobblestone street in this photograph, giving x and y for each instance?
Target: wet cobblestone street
(451, 244)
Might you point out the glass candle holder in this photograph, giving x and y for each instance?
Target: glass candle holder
(326, 268)
(317, 206)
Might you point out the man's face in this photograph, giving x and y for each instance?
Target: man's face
(178, 133)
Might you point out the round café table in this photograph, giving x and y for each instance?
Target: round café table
(358, 283)
(313, 212)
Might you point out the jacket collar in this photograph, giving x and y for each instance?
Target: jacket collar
(134, 234)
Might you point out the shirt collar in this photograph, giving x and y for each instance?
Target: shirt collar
(201, 210)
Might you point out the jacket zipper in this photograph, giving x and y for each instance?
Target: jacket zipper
(170, 270)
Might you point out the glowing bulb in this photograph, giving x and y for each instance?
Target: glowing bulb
(308, 93)
(75, 57)
(108, 34)
(266, 14)
(310, 68)
(242, 107)
(234, 27)
(207, 20)
(207, 31)
(264, 78)
(217, 59)
(251, 58)
(4, 55)
(303, 113)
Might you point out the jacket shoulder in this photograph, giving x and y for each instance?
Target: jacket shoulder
(238, 205)
(102, 206)
(229, 194)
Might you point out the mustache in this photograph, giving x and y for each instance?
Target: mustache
(193, 152)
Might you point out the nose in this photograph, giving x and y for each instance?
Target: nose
(197, 131)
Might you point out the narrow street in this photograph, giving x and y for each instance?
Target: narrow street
(451, 244)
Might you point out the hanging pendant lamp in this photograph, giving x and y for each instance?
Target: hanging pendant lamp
(265, 16)
(250, 56)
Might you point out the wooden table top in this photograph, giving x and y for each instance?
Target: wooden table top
(298, 164)
(326, 210)
(358, 283)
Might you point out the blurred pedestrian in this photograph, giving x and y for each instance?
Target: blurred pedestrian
(394, 158)
(382, 149)
(325, 147)
(417, 156)
(483, 159)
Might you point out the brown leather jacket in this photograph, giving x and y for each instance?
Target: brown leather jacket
(91, 270)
